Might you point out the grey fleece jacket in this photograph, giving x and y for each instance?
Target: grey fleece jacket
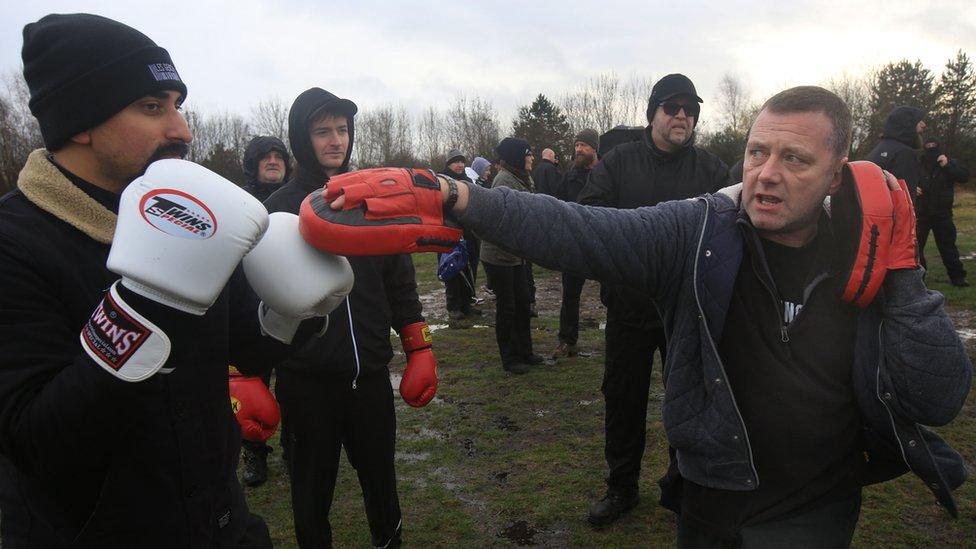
(910, 367)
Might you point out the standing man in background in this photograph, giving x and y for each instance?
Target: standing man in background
(665, 165)
(586, 146)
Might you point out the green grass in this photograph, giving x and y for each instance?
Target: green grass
(501, 460)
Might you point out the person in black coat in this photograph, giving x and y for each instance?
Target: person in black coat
(335, 392)
(89, 459)
(267, 165)
(664, 165)
(935, 195)
(546, 176)
(897, 151)
(460, 290)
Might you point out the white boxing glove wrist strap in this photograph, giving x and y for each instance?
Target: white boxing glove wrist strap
(122, 341)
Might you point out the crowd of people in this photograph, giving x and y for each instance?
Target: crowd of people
(123, 436)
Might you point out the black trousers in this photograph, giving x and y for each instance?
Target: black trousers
(944, 229)
(319, 417)
(626, 382)
(474, 255)
(831, 526)
(512, 329)
(569, 310)
(530, 280)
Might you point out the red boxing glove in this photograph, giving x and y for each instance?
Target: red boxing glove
(254, 406)
(904, 243)
(862, 217)
(386, 211)
(419, 383)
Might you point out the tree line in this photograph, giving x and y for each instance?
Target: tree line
(389, 135)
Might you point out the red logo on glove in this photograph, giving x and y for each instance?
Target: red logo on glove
(176, 213)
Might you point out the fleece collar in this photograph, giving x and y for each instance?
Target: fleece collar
(44, 185)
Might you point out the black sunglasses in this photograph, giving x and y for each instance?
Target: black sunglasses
(671, 109)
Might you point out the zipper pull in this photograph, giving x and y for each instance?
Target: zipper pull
(785, 334)
(354, 384)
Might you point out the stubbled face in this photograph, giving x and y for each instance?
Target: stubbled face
(789, 169)
(330, 141)
(670, 132)
(271, 168)
(584, 155)
(148, 129)
(457, 166)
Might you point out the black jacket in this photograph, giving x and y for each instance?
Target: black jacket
(547, 178)
(385, 292)
(898, 150)
(572, 184)
(938, 184)
(638, 174)
(104, 462)
(255, 151)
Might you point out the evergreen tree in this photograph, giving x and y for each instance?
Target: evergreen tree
(955, 107)
(901, 83)
(544, 125)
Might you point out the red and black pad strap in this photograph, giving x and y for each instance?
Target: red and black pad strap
(386, 211)
(862, 217)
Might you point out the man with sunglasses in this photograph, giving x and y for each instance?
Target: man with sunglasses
(664, 165)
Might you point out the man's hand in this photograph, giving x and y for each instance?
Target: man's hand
(904, 244)
(380, 211)
(459, 207)
(942, 160)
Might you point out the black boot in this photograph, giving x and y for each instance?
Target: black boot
(612, 506)
(255, 463)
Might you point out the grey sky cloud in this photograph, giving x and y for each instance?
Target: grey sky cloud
(234, 53)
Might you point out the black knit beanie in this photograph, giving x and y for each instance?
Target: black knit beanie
(82, 69)
(513, 151)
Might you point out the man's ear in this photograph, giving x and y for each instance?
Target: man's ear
(838, 176)
(83, 138)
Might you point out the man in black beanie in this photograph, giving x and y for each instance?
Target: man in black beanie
(664, 165)
(93, 458)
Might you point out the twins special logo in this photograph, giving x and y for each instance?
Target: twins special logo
(178, 214)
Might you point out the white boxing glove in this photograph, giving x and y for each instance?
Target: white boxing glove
(294, 280)
(181, 232)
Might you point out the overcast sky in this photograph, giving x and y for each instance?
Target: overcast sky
(232, 54)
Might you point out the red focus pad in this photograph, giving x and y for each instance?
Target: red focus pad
(419, 383)
(862, 216)
(386, 211)
(254, 406)
(904, 242)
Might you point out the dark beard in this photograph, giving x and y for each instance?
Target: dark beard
(168, 150)
(582, 161)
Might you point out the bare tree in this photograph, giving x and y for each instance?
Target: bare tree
(430, 136)
(19, 132)
(471, 125)
(384, 137)
(734, 101)
(634, 95)
(270, 117)
(855, 92)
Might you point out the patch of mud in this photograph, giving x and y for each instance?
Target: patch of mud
(506, 424)
(501, 477)
(519, 533)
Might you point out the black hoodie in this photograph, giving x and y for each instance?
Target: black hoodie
(938, 182)
(385, 292)
(897, 151)
(255, 151)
